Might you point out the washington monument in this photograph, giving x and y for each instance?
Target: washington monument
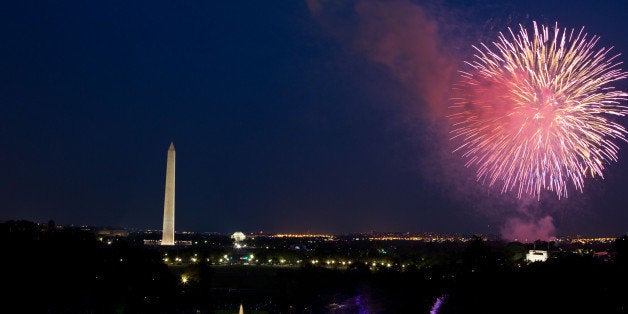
(167, 237)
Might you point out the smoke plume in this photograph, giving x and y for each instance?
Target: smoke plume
(398, 35)
(529, 230)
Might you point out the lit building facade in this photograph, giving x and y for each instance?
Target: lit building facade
(536, 256)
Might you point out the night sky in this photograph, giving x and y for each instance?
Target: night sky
(287, 116)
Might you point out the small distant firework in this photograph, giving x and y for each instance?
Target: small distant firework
(533, 112)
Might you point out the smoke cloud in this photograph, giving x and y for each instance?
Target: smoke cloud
(529, 230)
(410, 43)
(398, 35)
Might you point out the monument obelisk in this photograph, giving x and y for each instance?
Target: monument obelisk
(167, 237)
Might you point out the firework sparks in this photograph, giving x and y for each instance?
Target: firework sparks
(533, 112)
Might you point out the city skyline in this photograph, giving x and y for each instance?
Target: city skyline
(291, 117)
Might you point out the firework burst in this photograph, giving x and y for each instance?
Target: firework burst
(533, 112)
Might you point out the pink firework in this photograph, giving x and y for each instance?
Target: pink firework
(533, 112)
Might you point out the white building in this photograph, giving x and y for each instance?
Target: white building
(536, 256)
(238, 236)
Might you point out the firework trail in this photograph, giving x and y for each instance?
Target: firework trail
(532, 112)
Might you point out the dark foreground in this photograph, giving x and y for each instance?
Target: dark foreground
(73, 272)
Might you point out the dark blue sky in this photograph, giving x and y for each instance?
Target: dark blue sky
(284, 115)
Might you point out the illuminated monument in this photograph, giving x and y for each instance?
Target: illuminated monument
(167, 237)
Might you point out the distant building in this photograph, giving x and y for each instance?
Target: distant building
(152, 242)
(536, 256)
(113, 232)
(238, 236)
(159, 242)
